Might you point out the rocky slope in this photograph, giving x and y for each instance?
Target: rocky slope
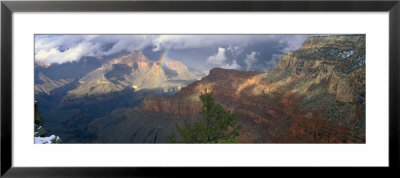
(133, 71)
(314, 94)
(223, 82)
(50, 77)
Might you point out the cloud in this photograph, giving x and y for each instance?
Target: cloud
(217, 59)
(220, 60)
(231, 48)
(232, 42)
(68, 48)
(200, 41)
(162, 41)
(56, 55)
(235, 51)
(195, 41)
(43, 54)
(250, 59)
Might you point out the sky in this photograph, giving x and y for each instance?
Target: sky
(202, 52)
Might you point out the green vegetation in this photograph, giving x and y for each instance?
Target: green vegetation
(216, 125)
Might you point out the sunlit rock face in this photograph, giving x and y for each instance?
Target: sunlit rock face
(132, 71)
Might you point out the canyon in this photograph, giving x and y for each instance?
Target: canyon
(315, 94)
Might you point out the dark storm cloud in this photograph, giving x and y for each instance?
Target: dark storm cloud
(245, 52)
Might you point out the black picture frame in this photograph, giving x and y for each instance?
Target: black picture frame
(8, 7)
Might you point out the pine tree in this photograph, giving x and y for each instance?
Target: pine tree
(216, 125)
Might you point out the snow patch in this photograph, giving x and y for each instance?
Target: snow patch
(46, 140)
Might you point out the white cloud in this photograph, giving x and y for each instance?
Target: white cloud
(250, 59)
(218, 59)
(163, 41)
(43, 54)
(55, 55)
(67, 48)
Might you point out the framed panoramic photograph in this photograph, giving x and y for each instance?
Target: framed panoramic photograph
(103, 88)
